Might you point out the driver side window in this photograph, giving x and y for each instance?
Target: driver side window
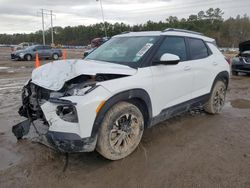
(173, 45)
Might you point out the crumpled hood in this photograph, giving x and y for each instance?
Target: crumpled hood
(53, 75)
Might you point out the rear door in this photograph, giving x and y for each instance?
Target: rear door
(204, 66)
(172, 84)
(39, 50)
(47, 51)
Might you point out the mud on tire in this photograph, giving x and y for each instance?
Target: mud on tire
(121, 131)
(217, 98)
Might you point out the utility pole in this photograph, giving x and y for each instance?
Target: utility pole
(43, 27)
(105, 29)
(48, 13)
(52, 33)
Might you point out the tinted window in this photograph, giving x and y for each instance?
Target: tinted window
(47, 47)
(39, 47)
(173, 45)
(198, 49)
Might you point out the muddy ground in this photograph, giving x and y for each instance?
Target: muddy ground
(192, 150)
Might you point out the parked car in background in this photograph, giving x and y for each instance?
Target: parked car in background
(132, 82)
(30, 53)
(95, 43)
(241, 63)
(22, 45)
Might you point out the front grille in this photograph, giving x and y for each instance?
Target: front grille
(14, 56)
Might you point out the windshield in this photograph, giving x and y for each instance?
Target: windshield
(123, 50)
(30, 48)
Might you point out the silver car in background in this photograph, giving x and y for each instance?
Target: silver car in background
(30, 53)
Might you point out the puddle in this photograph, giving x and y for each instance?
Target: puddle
(11, 71)
(240, 103)
(8, 158)
(3, 68)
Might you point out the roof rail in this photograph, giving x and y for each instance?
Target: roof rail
(182, 30)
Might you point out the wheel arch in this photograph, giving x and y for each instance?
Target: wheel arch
(55, 53)
(223, 76)
(138, 97)
(28, 54)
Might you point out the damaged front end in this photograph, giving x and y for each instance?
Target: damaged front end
(59, 114)
(33, 97)
(64, 95)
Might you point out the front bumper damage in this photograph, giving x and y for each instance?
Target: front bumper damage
(64, 142)
(69, 142)
(35, 101)
(241, 64)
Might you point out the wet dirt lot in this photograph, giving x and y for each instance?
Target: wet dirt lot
(192, 150)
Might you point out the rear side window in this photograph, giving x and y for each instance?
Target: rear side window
(46, 47)
(173, 45)
(39, 47)
(198, 49)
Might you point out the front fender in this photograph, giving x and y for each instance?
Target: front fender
(85, 105)
(127, 95)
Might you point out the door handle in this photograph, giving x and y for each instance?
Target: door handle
(215, 63)
(186, 68)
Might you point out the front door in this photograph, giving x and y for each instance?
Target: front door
(172, 84)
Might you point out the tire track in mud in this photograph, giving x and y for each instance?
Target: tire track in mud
(10, 93)
(11, 86)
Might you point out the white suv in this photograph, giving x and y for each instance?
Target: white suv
(132, 82)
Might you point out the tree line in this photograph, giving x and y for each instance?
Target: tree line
(228, 33)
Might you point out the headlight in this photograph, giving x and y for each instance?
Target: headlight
(77, 91)
(67, 113)
(81, 89)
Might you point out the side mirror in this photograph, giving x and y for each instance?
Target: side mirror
(85, 54)
(169, 59)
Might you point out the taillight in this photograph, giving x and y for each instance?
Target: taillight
(228, 60)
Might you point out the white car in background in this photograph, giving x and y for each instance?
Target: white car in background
(132, 82)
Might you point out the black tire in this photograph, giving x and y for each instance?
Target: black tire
(55, 56)
(28, 57)
(120, 132)
(217, 98)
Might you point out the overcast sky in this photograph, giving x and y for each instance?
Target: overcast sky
(21, 16)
